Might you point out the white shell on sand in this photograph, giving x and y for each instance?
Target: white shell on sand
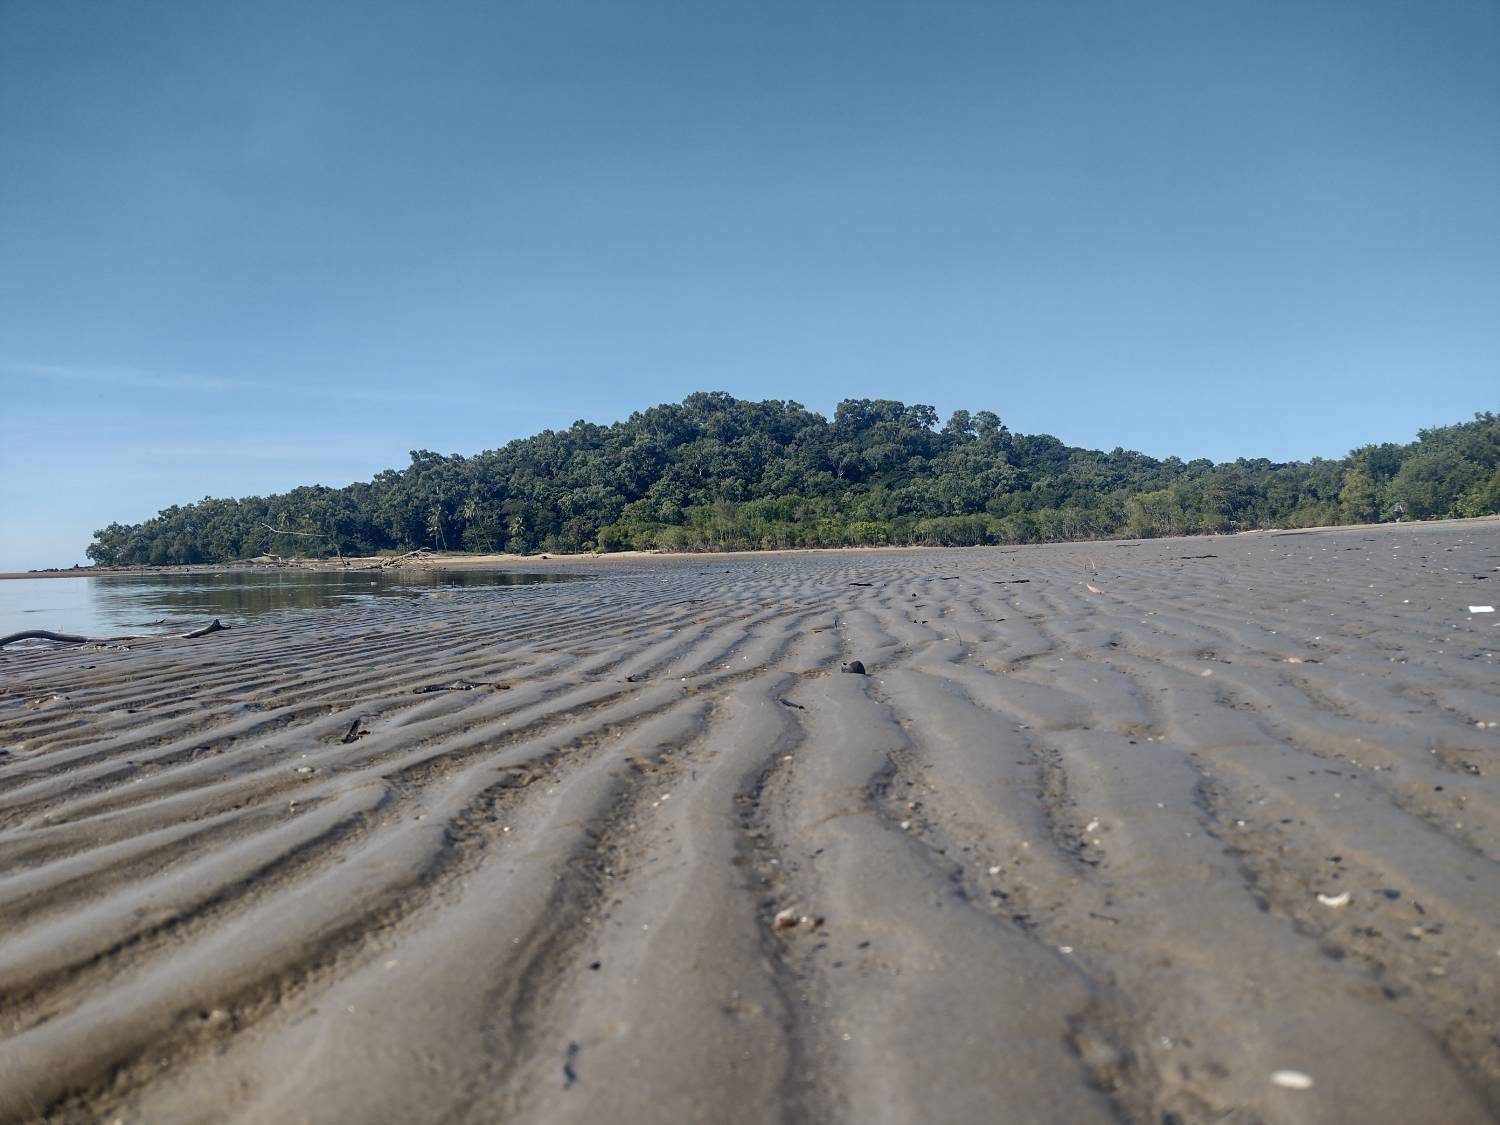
(1292, 1080)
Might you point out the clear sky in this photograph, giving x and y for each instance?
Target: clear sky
(245, 246)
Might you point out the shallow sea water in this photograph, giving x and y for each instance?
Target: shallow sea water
(110, 604)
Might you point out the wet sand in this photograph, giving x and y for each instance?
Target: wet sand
(636, 850)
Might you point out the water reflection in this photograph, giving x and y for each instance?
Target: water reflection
(114, 603)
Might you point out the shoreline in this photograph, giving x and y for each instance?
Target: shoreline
(458, 559)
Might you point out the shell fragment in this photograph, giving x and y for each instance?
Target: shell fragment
(1292, 1080)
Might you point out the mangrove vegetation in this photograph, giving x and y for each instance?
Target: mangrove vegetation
(719, 473)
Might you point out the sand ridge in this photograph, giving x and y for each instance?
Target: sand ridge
(634, 849)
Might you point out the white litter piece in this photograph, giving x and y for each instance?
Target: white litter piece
(1481, 609)
(1292, 1080)
(1334, 900)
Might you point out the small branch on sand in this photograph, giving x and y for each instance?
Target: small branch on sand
(60, 638)
(74, 639)
(460, 685)
(212, 627)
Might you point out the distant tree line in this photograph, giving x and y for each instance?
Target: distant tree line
(718, 473)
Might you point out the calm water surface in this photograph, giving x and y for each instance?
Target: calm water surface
(111, 604)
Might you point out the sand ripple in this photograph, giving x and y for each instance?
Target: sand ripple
(635, 850)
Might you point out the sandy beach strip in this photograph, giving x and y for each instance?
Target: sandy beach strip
(1171, 831)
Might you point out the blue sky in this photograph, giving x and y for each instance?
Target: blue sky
(247, 246)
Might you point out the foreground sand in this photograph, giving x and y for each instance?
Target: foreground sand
(648, 856)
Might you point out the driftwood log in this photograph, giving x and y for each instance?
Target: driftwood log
(399, 559)
(73, 639)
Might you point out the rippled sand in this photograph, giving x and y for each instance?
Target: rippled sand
(651, 857)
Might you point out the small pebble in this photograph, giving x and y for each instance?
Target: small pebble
(1292, 1080)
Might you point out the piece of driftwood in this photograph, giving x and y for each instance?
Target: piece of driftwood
(396, 560)
(399, 559)
(460, 685)
(73, 639)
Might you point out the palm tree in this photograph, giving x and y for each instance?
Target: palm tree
(435, 526)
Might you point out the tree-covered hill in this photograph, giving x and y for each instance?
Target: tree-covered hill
(715, 472)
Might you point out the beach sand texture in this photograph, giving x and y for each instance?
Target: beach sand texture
(636, 850)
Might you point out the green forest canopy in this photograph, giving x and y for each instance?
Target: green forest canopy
(717, 473)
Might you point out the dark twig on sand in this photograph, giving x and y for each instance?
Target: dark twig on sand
(74, 639)
(460, 685)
